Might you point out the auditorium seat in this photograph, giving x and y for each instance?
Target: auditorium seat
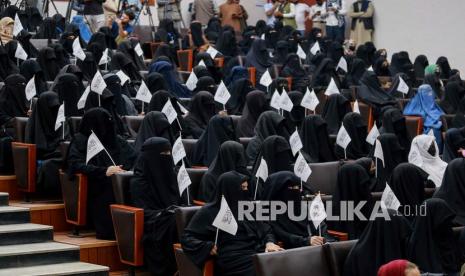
(75, 123)
(367, 114)
(324, 177)
(128, 222)
(183, 76)
(309, 260)
(25, 163)
(195, 174)
(20, 128)
(252, 75)
(336, 253)
(185, 59)
(219, 62)
(74, 193)
(189, 147)
(414, 126)
(133, 123)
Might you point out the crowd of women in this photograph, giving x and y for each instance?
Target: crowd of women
(431, 160)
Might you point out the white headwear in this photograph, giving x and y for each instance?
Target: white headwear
(419, 156)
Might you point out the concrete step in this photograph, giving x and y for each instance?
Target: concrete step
(25, 233)
(4, 198)
(34, 254)
(73, 268)
(14, 215)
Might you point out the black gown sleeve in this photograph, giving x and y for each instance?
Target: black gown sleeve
(77, 159)
(290, 240)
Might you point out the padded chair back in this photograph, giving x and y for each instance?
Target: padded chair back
(184, 216)
(25, 162)
(253, 75)
(120, 182)
(195, 175)
(324, 177)
(133, 123)
(75, 123)
(184, 75)
(322, 98)
(185, 59)
(367, 114)
(64, 149)
(336, 253)
(446, 120)
(185, 266)
(189, 147)
(219, 62)
(308, 260)
(414, 126)
(245, 141)
(20, 129)
(74, 193)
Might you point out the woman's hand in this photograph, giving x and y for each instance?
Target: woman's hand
(214, 252)
(271, 247)
(317, 240)
(114, 169)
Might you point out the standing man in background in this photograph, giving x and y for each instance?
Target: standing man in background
(286, 13)
(316, 12)
(231, 13)
(362, 27)
(169, 9)
(110, 9)
(204, 10)
(301, 12)
(335, 21)
(270, 9)
(93, 13)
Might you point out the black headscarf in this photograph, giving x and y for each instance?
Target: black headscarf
(400, 63)
(459, 119)
(109, 39)
(258, 57)
(454, 93)
(393, 154)
(335, 51)
(357, 130)
(443, 63)
(202, 109)
(315, 140)
(453, 141)
(230, 157)
(432, 245)
(419, 66)
(210, 63)
(356, 70)
(154, 124)
(114, 85)
(61, 55)
(255, 104)
(372, 94)
(219, 130)
(165, 50)
(226, 44)
(435, 82)
(324, 73)
(206, 84)
(88, 66)
(384, 240)
(7, 66)
(166, 32)
(157, 103)
(127, 48)
(155, 82)
(452, 189)
(25, 39)
(121, 62)
(277, 153)
(213, 29)
(31, 68)
(69, 89)
(48, 62)
(196, 34)
(97, 45)
(269, 123)
(394, 122)
(293, 68)
(295, 118)
(239, 90)
(13, 101)
(281, 52)
(381, 67)
(395, 85)
(336, 107)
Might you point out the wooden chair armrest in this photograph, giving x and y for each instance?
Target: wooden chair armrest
(339, 235)
(198, 202)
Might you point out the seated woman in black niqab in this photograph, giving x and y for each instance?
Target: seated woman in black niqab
(381, 67)
(315, 139)
(258, 57)
(155, 82)
(394, 122)
(356, 70)
(154, 188)
(195, 39)
(459, 119)
(206, 83)
(97, 45)
(454, 144)
(31, 68)
(7, 66)
(167, 33)
(219, 130)
(123, 104)
(226, 44)
(109, 39)
(281, 52)
(121, 62)
(452, 189)
(88, 66)
(69, 89)
(202, 109)
(295, 118)
(285, 187)
(269, 123)
(384, 240)
(336, 107)
(239, 90)
(154, 124)
(40, 130)
(210, 64)
(443, 64)
(60, 53)
(395, 85)
(433, 246)
(48, 62)
(233, 252)
(453, 94)
(100, 168)
(230, 157)
(323, 75)
(292, 68)
(13, 102)
(281, 84)
(421, 62)
(357, 130)
(127, 47)
(255, 105)
(371, 93)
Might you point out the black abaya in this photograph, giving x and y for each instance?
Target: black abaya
(154, 124)
(31, 68)
(255, 105)
(202, 109)
(357, 130)
(315, 140)
(336, 107)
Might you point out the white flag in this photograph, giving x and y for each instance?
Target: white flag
(402, 87)
(315, 48)
(98, 83)
(332, 88)
(343, 139)
(300, 52)
(191, 82)
(286, 102)
(225, 219)
(212, 52)
(431, 132)
(310, 100)
(202, 63)
(20, 53)
(94, 146)
(276, 100)
(374, 133)
(169, 111)
(301, 168)
(138, 50)
(17, 27)
(82, 101)
(178, 151)
(183, 179)
(222, 94)
(104, 58)
(122, 76)
(379, 151)
(389, 199)
(31, 90)
(60, 117)
(356, 108)
(77, 49)
(295, 142)
(262, 37)
(266, 79)
(183, 109)
(370, 68)
(143, 94)
(317, 211)
(262, 171)
(342, 64)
